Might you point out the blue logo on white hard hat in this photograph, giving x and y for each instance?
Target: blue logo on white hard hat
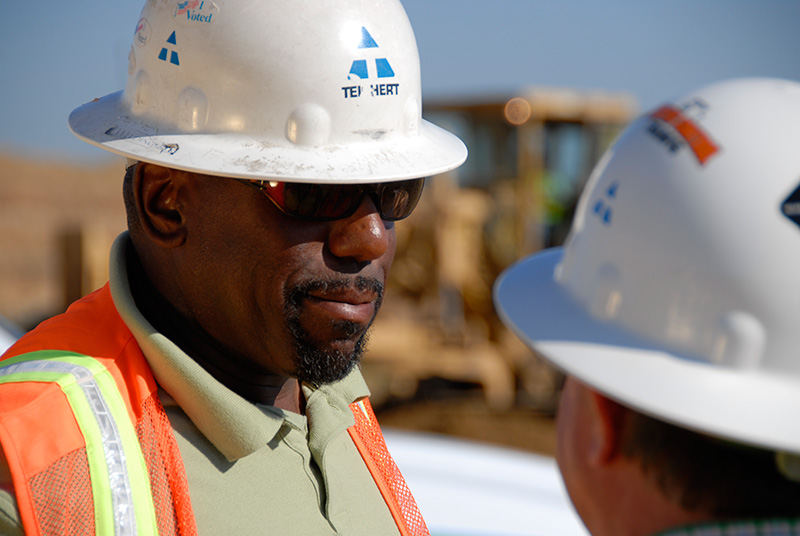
(365, 69)
(360, 67)
(170, 53)
(791, 206)
(602, 207)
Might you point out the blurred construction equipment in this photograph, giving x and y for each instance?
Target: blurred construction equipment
(530, 156)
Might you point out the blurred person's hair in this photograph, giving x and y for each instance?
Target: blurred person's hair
(703, 473)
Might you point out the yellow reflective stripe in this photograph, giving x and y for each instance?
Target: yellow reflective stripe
(123, 501)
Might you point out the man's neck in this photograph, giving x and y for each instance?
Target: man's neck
(233, 371)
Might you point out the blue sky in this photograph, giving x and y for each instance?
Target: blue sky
(57, 55)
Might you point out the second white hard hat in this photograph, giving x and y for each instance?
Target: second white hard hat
(678, 290)
(309, 90)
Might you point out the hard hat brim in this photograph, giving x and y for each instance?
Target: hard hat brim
(751, 407)
(104, 122)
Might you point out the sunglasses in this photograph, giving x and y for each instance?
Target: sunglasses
(329, 202)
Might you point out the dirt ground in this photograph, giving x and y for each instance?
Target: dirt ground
(465, 414)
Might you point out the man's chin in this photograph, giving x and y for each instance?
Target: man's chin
(327, 346)
(321, 364)
(325, 367)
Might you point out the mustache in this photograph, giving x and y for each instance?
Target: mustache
(297, 292)
(359, 283)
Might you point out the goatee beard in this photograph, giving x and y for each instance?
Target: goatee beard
(317, 365)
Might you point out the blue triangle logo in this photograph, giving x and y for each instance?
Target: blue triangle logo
(366, 39)
(360, 67)
(384, 69)
(791, 206)
(172, 54)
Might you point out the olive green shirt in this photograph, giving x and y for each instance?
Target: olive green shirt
(253, 469)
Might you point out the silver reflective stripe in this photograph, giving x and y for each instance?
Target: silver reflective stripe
(121, 495)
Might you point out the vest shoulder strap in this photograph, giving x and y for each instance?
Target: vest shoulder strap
(368, 438)
(92, 458)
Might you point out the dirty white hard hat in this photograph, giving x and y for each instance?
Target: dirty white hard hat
(308, 90)
(678, 290)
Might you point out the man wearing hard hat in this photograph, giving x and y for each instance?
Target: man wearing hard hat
(674, 310)
(212, 386)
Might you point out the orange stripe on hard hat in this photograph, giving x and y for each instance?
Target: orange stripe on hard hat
(701, 145)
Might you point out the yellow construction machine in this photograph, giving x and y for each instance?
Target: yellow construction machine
(529, 157)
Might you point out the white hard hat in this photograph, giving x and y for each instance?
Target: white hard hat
(307, 91)
(678, 290)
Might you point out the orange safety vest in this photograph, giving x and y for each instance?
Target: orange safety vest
(90, 448)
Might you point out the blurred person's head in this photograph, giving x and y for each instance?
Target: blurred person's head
(630, 474)
(674, 309)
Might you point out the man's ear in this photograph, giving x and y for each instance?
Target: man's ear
(608, 423)
(158, 195)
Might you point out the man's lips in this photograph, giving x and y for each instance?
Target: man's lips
(352, 306)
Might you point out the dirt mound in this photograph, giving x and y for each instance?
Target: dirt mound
(40, 202)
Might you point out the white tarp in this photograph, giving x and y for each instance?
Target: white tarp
(8, 334)
(465, 488)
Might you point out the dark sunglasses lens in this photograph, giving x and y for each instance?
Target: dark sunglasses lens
(325, 202)
(398, 199)
(319, 201)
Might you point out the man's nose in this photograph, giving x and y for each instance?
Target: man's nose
(363, 236)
